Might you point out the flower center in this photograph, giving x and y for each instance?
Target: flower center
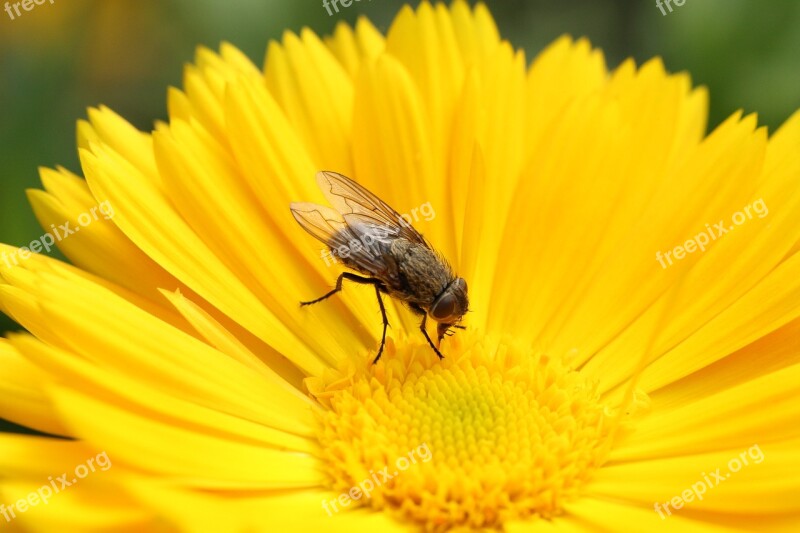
(493, 432)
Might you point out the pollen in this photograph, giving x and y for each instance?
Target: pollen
(492, 433)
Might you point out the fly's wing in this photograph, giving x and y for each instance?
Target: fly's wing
(322, 222)
(327, 225)
(363, 211)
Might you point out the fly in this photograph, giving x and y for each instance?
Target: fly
(374, 240)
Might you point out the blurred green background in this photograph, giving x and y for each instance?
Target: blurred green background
(60, 58)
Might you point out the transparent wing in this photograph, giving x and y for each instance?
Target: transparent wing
(362, 210)
(327, 226)
(322, 222)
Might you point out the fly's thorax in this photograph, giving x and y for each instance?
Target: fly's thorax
(421, 274)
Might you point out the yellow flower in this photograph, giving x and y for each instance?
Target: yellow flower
(618, 373)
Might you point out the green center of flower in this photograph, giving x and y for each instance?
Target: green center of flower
(493, 432)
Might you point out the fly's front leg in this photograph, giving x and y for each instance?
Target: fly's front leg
(420, 311)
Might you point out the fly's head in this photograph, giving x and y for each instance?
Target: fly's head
(450, 306)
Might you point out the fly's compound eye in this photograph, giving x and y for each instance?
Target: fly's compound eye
(444, 308)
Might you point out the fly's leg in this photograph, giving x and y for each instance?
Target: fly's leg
(378, 284)
(385, 322)
(444, 329)
(420, 311)
(345, 276)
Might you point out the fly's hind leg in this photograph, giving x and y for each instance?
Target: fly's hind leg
(378, 284)
(345, 276)
(385, 322)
